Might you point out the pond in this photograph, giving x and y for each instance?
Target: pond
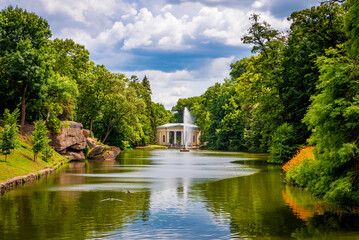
(167, 194)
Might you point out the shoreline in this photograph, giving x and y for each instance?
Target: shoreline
(15, 182)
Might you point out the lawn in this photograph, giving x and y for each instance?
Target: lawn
(20, 161)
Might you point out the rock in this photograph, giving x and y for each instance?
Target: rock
(109, 154)
(91, 142)
(75, 155)
(69, 138)
(97, 150)
(63, 151)
(72, 125)
(86, 133)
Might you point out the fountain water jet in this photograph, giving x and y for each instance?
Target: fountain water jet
(187, 129)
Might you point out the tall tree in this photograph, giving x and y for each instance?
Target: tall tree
(93, 87)
(24, 63)
(313, 31)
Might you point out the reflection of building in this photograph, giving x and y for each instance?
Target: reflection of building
(172, 133)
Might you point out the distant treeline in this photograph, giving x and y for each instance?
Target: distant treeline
(299, 88)
(55, 80)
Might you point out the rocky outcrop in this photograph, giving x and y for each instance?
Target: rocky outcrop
(75, 155)
(73, 141)
(71, 138)
(97, 150)
(91, 142)
(108, 153)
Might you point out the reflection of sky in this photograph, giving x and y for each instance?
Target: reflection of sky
(170, 170)
(175, 217)
(177, 209)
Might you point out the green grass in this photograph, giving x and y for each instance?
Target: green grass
(20, 161)
(156, 146)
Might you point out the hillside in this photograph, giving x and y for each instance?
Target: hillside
(20, 161)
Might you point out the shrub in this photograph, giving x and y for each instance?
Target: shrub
(300, 169)
(47, 153)
(39, 139)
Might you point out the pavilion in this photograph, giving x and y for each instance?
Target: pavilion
(172, 134)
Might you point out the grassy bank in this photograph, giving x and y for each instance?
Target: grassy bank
(150, 147)
(20, 161)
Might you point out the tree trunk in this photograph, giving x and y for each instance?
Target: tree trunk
(91, 123)
(23, 110)
(108, 133)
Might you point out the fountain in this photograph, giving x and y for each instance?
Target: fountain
(187, 129)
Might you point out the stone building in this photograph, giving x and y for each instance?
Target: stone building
(172, 134)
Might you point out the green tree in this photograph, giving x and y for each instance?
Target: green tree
(60, 94)
(313, 31)
(71, 59)
(24, 60)
(93, 87)
(162, 115)
(333, 118)
(149, 108)
(47, 153)
(120, 113)
(9, 132)
(39, 138)
(352, 27)
(179, 108)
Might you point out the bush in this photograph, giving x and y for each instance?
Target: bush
(299, 170)
(47, 153)
(39, 139)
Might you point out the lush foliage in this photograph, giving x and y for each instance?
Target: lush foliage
(298, 168)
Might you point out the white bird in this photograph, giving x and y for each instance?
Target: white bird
(111, 199)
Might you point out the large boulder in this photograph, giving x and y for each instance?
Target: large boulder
(86, 133)
(72, 125)
(69, 138)
(97, 150)
(91, 142)
(109, 153)
(75, 155)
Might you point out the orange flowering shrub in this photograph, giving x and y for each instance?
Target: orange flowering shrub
(306, 152)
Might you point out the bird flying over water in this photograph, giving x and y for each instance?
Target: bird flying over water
(111, 199)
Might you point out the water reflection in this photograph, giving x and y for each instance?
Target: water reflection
(166, 194)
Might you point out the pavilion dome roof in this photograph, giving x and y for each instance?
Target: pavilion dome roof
(174, 125)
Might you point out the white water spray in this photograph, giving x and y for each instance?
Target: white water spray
(188, 127)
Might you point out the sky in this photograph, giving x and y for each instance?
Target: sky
(182, 46)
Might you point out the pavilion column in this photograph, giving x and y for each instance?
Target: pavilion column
(168, 137)
(175, 139)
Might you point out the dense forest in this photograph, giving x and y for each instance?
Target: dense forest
(298, 90)
(55, 80)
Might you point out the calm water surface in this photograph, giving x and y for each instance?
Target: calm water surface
(166, 194)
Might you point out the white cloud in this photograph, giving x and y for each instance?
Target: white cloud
(260, 3)
(166, 31)
(168, 87)
(80, 10)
